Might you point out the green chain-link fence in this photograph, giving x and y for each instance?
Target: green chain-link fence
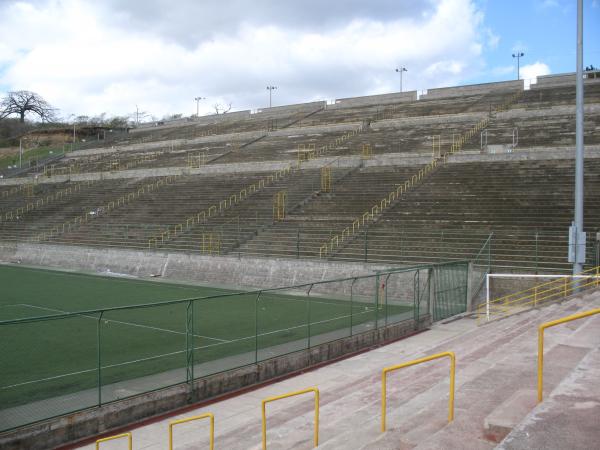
(60, 363)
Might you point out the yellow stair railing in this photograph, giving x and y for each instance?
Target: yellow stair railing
(190, 419)
(413, 363)
(539, 294)
(291, 394)
(540, 358)
(118, 436)
(327, 248)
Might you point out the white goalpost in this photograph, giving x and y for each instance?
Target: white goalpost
(521, 276)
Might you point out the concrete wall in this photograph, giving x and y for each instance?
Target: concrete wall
(92, 422)
(287, 109)
(383, 99)
(471, 89)
(202, 120)
(229, 137)
(221, 270)
(560, 79)
(378, 161)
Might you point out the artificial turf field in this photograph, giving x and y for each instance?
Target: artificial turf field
(60, 357)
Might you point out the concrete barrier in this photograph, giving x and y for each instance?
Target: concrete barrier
(185, 121)
(382, 99)
(230, 271)
(276, 111)
(562, 79)
(472, 89)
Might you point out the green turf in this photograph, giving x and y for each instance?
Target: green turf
(59, 357)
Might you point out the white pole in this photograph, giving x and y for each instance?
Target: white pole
(579, 150)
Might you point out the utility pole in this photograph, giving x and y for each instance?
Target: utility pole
(198, 104)
(518, 55)
(577, 237)
(271, 89)
(400, 70)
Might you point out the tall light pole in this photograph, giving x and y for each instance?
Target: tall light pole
(577, 236)
(518, 55)
(198, 104)
(271, 89)
(400, 70)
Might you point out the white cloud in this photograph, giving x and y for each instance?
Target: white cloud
(492, 39)
(532, 71)
(83, 60)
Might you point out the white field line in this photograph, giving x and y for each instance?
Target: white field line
(174, 353)
(125, 323)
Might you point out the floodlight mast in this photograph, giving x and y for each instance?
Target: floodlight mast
(400, 70)
(271, 89)
(577, 234)
(518, 55)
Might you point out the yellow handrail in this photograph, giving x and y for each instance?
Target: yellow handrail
(558, 288)
(189, 419)
(412, 363)
(118, 436)
(540, 359)
(291, 394)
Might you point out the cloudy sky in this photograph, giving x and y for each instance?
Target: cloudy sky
(89, 57)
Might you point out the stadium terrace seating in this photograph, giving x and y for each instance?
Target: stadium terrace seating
(449, 215)
(528, 205)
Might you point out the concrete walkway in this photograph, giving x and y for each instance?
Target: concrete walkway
(496, 363)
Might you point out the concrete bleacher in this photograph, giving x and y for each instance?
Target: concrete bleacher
(495, 394)
(429, 224)
(527, 205)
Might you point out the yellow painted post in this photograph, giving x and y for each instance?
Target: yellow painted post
(118, 436)
(189, 419)
(540, 360)
(291, 394)
(326, 179)
(412, 363)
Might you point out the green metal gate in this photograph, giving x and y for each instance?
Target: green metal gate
(450, 290)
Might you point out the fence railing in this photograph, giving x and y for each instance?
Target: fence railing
(93, 357)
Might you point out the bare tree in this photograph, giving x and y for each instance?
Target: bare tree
(219, 109)
(23, 102)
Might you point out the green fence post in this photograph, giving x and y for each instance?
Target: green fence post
(352, 305)
(308, 312)
(99, 359)
(256, 327)
(386, 297)
(416, 296)
(189, 338)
